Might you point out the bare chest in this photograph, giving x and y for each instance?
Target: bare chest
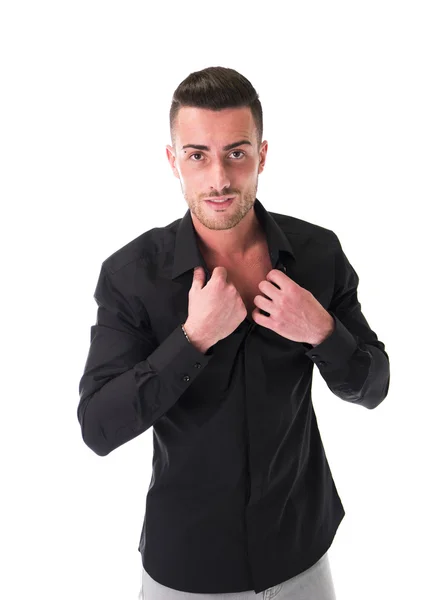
(247, 276)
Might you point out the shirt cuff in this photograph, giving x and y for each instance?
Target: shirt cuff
(176, 354)
(333, 352)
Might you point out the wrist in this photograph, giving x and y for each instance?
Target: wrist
(195, 337)
(326, 332)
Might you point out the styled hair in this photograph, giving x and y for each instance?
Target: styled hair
(216, 88)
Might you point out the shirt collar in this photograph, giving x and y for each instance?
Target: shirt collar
(187, 254)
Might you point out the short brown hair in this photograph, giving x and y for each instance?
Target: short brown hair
(216, 88)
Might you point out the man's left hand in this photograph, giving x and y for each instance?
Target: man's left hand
(294, 312)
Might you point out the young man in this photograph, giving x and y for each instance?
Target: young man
(208, 331)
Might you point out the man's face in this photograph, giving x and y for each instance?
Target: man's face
(215, 171)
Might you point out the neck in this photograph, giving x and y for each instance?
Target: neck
(234, 244)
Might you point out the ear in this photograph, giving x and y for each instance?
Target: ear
(170, 154)
(262, 156)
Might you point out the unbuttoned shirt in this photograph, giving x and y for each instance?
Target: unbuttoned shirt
(241, 495)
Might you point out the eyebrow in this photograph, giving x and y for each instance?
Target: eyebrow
(228, 147)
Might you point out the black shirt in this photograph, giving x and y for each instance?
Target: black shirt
(241, 495)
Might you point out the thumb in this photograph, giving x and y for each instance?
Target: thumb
(199, 277)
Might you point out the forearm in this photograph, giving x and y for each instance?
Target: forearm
(117, 406)
(354, 370)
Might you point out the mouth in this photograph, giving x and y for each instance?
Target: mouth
(220, 203)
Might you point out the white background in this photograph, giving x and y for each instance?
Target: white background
(352, 101)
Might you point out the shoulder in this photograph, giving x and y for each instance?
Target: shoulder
(305, 231)
(142, 248)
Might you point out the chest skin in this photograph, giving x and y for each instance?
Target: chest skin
(246, 274)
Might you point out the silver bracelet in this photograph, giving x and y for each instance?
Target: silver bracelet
(185, 333)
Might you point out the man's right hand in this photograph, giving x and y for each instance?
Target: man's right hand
(215, 309)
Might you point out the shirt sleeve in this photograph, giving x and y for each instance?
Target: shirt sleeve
(129, 379)
(352, 360)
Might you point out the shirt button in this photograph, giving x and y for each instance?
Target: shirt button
(197, 365)
(186, 378)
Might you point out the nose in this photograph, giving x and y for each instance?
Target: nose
(219, 178)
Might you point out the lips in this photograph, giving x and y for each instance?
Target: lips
(221, 198)
(220, 205)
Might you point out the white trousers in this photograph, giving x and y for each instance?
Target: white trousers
(313, 584)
